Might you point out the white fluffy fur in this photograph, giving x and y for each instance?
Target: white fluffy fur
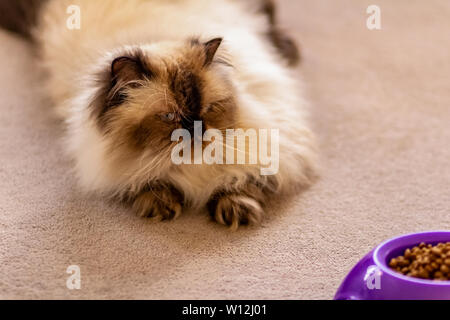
(268, 97)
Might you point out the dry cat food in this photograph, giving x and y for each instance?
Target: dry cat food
(424, 261)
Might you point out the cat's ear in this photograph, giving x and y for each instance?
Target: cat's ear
(211, 48)
(123, 73)
(127, 69)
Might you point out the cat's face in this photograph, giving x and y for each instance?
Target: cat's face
(150, 92)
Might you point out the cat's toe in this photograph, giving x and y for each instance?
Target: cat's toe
(236, 210)
(149, 205)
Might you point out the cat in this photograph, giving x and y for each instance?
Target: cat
(137, 70)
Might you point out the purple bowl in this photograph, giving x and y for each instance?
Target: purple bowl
(372, 279)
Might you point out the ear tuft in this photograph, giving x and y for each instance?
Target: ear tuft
(211, 48)
(126, 69)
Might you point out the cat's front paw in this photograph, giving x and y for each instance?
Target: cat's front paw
(234, 210)
(159, 204)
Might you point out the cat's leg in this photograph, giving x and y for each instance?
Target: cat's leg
(20, 16)
(242, 206)
(159, 202)
(285, 45)
(268, 8)
(279, 38)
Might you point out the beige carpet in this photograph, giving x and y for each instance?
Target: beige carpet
(382, 113)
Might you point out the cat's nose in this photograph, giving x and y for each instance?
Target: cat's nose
(189, 125)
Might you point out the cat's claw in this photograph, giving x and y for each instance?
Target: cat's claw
(236, 210)
(157, 207)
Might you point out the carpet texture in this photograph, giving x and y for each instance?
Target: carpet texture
(381, 110)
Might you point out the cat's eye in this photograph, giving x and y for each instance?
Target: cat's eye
(168, 117)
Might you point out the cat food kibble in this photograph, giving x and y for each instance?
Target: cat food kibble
(424, 261)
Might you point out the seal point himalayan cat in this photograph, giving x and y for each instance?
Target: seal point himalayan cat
(136, 70)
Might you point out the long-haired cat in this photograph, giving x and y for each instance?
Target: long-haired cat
(137, 70)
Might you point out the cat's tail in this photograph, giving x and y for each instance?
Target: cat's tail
(20, 16)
